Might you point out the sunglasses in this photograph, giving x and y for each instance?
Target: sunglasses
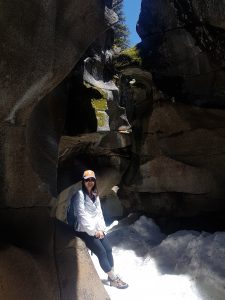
(89, 180)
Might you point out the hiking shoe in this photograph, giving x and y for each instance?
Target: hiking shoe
(118, 283)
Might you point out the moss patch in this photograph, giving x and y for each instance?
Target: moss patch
(100, 115)
(99, 104)
(130, 56)
(133, 54)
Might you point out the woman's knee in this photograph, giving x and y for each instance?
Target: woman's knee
(101, 252)
(106, 244)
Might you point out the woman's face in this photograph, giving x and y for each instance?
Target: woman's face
(89, 183)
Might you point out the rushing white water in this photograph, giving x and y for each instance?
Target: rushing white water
(184, 265)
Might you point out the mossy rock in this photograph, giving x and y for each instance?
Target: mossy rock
(128, 57)
(102, 120)
(99, 104)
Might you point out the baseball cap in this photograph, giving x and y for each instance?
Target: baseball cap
(89, 174)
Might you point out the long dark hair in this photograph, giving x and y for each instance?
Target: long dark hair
(94, 190)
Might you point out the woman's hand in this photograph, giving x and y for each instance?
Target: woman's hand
(99, 234)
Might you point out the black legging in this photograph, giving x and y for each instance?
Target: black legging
(101, 248)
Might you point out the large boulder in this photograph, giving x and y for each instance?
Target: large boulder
(41, 42)
(175, 102)
(183, 46)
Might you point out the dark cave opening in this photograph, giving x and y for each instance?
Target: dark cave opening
(80, 115)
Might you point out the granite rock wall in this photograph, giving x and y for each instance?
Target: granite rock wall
(178, 136)
(41, 42)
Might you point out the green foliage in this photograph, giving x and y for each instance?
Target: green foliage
(120, 28)
(133, 54)
(128, 57)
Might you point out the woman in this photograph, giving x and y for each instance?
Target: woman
(90, 226)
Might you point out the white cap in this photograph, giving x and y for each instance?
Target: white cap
(89, 174)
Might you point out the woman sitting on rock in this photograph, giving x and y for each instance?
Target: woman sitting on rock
(90, 226)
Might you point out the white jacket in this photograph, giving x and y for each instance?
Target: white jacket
(89, 214)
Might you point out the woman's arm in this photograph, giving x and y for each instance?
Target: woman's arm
(85, 220)
(101, 222)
